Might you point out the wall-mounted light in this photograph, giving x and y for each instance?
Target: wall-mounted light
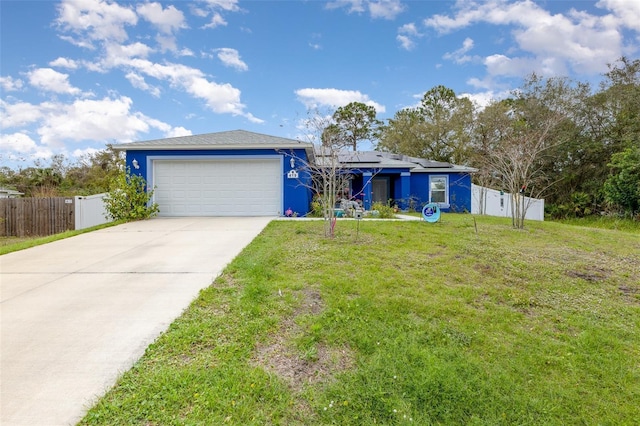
(135, 164)
(292, 162)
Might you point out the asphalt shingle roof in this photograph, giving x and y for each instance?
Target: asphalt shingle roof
(378, 159)
(218, 140)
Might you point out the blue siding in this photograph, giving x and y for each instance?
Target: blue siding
(296, 194)
(459, 190)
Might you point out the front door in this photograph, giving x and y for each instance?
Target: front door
(380, 190)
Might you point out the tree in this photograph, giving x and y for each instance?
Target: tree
(438, 129)
(130, 199)
(96, 172)
(325, 174)
(404, 134)
(604, 123)
(523, 132)
(622, 188)
(491, 129)
(352, 123)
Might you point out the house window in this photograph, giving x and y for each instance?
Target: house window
(439, 190)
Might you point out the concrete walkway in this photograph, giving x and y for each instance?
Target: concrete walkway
(77, 313)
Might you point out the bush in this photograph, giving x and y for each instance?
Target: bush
(384, 211)
(316, 207)
(622, 188)
(130, 199)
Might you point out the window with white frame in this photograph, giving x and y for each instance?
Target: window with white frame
(439, 190)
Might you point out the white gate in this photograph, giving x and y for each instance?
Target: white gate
(90, 211)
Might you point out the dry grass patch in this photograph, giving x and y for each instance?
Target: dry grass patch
(280, 356)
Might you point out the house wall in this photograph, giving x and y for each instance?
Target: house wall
(414, 192)
(296, 193)
(459, 190)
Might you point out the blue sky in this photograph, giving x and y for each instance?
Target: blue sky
(76, 75)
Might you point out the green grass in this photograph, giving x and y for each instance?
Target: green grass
(604, 222)
(414, 323)
(11, 244)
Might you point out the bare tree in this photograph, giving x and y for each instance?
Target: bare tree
(324, 173)
(517, 135)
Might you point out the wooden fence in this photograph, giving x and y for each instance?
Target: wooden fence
(23, 217)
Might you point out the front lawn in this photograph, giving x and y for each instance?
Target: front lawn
(403, 323)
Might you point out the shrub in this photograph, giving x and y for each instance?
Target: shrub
(130, 199)
(622, 188)
(384, 211)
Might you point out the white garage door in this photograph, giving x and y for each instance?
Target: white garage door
(229, 187)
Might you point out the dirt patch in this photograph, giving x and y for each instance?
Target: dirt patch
(483, 269)
(630, 293)
(591, 275)
(281, 358)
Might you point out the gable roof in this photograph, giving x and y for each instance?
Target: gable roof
(233, 139)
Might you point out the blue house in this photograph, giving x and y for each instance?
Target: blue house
(407, 182)
(241, 173)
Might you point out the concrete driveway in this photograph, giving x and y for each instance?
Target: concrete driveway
(79, 312)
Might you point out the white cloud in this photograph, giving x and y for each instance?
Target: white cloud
(215, 6)
(228, 5)
(177, 132)
(18, 114)
(627, 12)
(132, 59)
(138, 82)
(167, 20)
(57, 124)
(97, 120)
(64, 63)
(18, 142)
(406, 35)
(219, 98)
(501, 65)
(483, 99)
(386, 9)
(405, 42)
(231, 58)
(117, 55)
(334, 98)
(459, 56)
(357, 6)
(95, 19)
(84, 153)
(19, 146)
(167, 42)
(10, 84)
(216, 21)
(581, 41)
(186, 52)
(51, 80)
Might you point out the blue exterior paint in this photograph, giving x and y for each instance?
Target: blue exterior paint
(411, 190)
(459, 190)
(296, 194)
(407, 189)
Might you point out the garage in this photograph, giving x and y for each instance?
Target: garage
(218, 187)
(230, 173)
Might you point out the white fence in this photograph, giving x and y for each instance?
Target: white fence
(493, 203)
(90, 211)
